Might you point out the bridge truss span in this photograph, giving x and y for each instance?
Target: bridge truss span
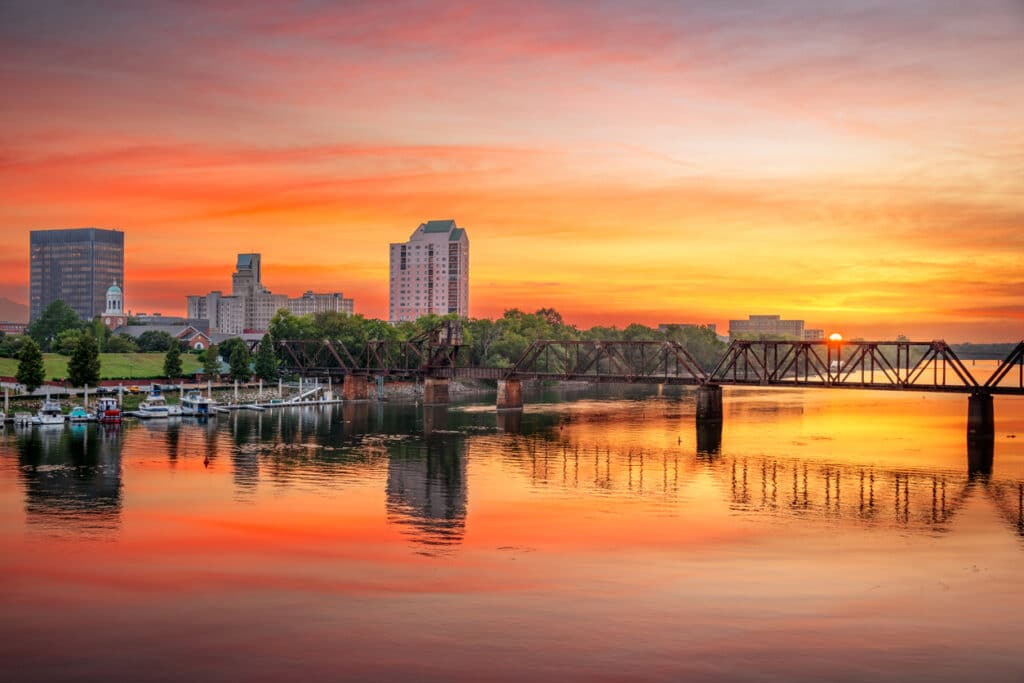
(918, 366)
(661, 362)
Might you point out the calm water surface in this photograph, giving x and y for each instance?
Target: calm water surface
(821, 535)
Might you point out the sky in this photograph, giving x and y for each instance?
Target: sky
(858, 165)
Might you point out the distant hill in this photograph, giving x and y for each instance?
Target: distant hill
(12, 311)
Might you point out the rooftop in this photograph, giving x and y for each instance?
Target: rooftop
(438, 226)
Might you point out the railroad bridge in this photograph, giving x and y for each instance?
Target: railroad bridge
(434, 358)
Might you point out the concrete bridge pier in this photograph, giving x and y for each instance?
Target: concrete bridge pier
(435, 391)
(709, 403)
(355, 388)
(510, 394)
(980, 416)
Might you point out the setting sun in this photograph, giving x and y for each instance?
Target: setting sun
(835, 337)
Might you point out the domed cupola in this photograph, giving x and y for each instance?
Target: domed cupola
(114, 316)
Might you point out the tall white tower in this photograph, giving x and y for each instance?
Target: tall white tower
(430, 272)
(114, 316)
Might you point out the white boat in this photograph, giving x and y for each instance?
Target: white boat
(3, 420)
(49, 414)
(194, 403)
(21, 419)
(155, 406)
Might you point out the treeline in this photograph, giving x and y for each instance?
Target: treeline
(968, 351)
(490, 343)
(60, 330)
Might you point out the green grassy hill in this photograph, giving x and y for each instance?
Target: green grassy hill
(112, 365)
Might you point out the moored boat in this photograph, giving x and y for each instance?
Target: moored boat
(155, 406)
(108, 411)
(49, 414)
(80, 414)
(194, 403)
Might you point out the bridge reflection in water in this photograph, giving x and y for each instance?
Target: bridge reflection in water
(72, 477)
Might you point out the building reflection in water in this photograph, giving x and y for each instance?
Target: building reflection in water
(426, 491)
(71, 478)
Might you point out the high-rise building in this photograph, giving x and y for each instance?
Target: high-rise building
(251, 306)
(430, 272)
(75, 265)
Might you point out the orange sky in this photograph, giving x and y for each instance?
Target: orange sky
(857, 165)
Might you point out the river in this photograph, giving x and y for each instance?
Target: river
(820, 535)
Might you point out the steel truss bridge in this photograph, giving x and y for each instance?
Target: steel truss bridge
(884, 365)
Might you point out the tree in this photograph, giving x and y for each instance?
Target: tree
(211, 364)
(239, 363)
(57, 317)
(11, 344)
(122, 343)
(84, 366)
(101, 332)
(228, 346)
(172, 362)
(266, 361)
(66, 342)
(155, 341)
(30, 366)
(285, 325)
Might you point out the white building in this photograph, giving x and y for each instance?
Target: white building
(430, 272)
(251, 306)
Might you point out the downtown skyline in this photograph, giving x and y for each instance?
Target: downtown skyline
(860, 166)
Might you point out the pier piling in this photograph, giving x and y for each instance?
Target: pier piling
(709, 403)
(510, 394)
(980, 416)
(435, 391)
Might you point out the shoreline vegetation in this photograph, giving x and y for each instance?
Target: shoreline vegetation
(485, 342)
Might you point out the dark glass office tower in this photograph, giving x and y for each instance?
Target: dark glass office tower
(76, 265)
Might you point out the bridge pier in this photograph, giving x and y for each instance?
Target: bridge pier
(709, 403)
(510, 394)
(355, 388)
(980, 416)
(435, 391)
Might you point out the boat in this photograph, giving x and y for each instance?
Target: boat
(194, 403)
(3, 420)
(21, 419)
(80, 414)
(108, 411)
(49, 414)
(155, 406)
